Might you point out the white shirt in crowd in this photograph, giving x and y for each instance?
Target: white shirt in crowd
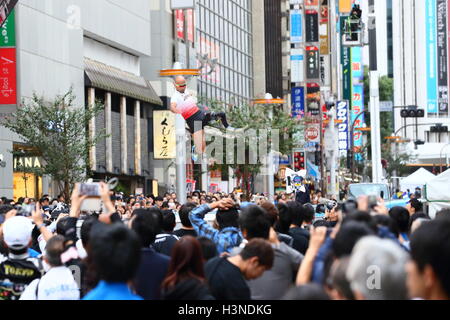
(57, 284)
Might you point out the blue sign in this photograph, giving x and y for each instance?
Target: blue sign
(296, 26)
(298, 102)
(431, 45)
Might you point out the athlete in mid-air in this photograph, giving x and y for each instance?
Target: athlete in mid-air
(196, 117)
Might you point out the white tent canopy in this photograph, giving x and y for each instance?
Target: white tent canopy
(438, 193)
(418, 179)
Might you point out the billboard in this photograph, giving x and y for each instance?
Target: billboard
(297, 65)
(164, 135)
(442, 56)
(311, 26)
(342, 113)
(431, 47)
(312, 63)
(296, 26)
(298, 102)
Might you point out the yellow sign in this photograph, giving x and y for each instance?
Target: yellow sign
(345, 6)
(164, 135)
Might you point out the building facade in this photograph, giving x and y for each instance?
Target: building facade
(62, 44)
(421, 78)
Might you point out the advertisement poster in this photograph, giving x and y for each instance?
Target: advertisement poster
(442, 56)
(312, 26)
(431, 45)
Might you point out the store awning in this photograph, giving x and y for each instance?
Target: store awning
(102, 76)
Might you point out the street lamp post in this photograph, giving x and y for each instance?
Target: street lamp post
(270, 101)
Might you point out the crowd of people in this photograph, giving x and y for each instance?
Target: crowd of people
(217, 246)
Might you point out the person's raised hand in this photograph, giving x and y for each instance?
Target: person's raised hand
(36, 215)
(76, 201)
(363, 203)
(381, 207)
(106, 198)
(317, 237)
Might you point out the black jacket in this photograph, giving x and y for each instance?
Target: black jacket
(191, 289)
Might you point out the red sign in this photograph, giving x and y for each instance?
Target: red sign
(190, 25)
(312, 134)
(179, 15)
(8, 76)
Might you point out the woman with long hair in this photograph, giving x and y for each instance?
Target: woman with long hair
(185, 279)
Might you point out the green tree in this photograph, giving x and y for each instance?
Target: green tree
(258, 118)
(58, 131)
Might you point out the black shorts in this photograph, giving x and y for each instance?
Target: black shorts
(200, 118)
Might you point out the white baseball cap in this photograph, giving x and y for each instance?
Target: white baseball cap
(17, 232)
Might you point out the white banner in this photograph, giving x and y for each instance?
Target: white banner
(297, 65)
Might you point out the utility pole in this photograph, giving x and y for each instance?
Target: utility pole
(377, 171)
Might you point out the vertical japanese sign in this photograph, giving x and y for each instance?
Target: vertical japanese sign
(313, 98)
(357, 63)
(346, 57)
(298, 102)
(343, 128)
(442, 57)
(179, 16)
(190, 25)
(297, 65)
(312, 63)
(358, 122)
(296, 26)
(431, 45)
(311, 26)
(164, 135)
(8, 70)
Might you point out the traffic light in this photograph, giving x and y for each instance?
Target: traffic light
(299, 161)
(412, 112)
(439, 129)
